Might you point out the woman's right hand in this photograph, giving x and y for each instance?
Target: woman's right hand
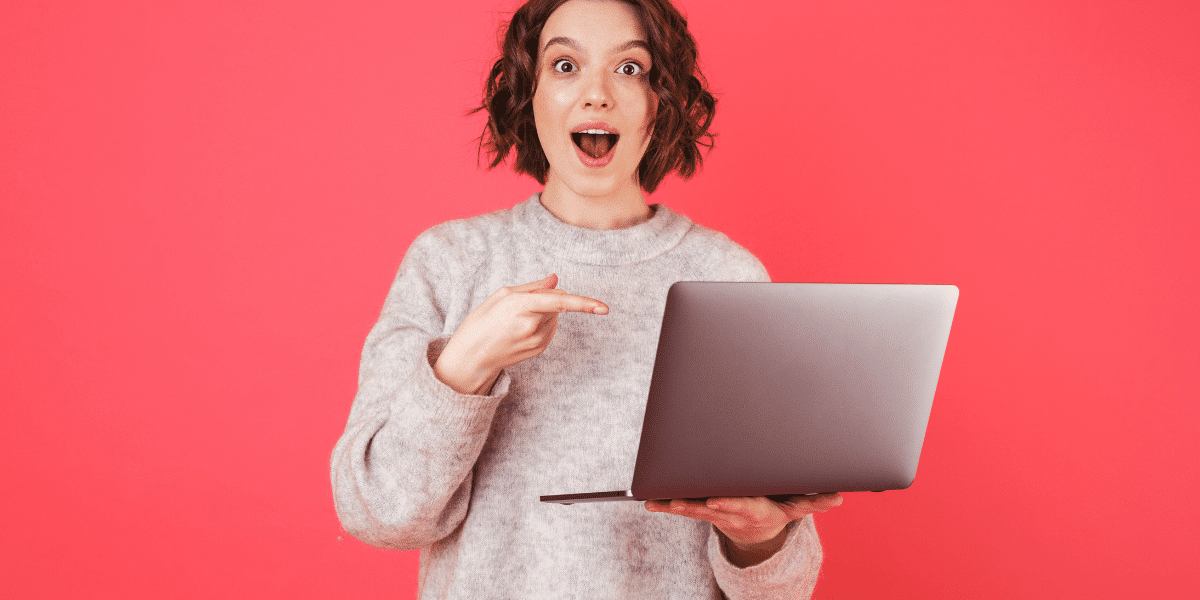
(512, 325)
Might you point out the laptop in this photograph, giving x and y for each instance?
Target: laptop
(780, 389)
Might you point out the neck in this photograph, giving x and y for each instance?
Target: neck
(622, 208)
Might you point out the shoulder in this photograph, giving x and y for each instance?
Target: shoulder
(724, 258)
(441, 265)
(463, 243)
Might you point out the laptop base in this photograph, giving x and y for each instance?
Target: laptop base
(569, 499)
(590, 497)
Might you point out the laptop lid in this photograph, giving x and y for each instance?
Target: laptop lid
(791, 388)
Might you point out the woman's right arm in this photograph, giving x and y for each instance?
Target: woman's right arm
(402, 470)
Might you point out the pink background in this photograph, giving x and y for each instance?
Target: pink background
(204, 204)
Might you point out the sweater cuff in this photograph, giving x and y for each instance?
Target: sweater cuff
(461, 413)
(789, 573)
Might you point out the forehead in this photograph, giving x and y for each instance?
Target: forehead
(595, 24)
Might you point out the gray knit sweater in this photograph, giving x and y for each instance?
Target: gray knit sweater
(459, 476)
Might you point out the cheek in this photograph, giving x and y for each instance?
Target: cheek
(548, 107)
(539, 105)
(647, 108)
(543, 119)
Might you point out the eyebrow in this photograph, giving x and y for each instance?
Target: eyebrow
(576, 46)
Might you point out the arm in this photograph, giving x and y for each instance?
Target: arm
(757, 548)
(791, 573)
(402, 470)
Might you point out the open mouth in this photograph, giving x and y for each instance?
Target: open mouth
(595, 145)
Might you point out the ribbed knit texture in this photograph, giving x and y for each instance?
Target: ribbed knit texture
(458, 476)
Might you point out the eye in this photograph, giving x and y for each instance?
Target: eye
(563, 65)
(630, 68)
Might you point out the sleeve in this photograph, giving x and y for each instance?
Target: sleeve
(791, 574)
(402, 469)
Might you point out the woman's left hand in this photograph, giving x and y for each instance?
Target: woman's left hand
(754, 524)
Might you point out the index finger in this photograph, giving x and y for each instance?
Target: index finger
(556, 301)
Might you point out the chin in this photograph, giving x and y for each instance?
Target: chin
(593, 184)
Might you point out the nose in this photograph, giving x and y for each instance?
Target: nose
(596, 93)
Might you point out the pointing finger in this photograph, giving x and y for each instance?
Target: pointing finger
(556, 302)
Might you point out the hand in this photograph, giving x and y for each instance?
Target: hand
(511, 325)
(753, 525)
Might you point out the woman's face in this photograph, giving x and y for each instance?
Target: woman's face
(593, 106)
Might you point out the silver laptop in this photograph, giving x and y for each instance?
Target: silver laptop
(777, 389)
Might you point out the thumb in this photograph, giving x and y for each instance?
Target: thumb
(542, 284)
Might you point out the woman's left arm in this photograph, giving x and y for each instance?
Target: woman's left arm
(758, 548)
(765, 562)
(753, 528)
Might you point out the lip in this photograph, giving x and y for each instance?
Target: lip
(595, 125)
(588, 161)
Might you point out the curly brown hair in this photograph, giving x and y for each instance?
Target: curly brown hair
(685, 106)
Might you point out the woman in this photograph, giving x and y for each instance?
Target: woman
(466, 412)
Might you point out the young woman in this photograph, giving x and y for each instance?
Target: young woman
(514, 350)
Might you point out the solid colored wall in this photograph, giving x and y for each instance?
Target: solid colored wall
(203, 204)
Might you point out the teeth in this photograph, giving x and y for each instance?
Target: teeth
(594, 131)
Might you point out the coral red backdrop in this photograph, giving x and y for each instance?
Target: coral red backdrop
(204, 204)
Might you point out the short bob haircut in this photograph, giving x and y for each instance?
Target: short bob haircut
(685, 105)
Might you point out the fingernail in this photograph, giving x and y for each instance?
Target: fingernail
(600, 310)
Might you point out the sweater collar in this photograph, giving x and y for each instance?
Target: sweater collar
(643, 241)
